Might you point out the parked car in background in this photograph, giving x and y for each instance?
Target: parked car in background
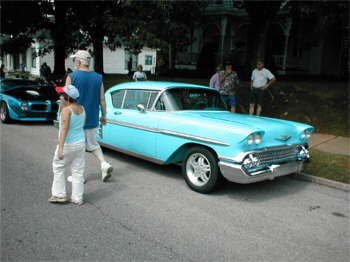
(168, 123)
(26, 100)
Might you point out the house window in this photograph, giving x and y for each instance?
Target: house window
(33, 58)
(148, 60)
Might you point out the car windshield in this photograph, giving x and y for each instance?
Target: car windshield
(36, 93)
(193, 99)
(16, 82)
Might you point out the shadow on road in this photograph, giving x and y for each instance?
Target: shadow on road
(262, 191)
(257, 192)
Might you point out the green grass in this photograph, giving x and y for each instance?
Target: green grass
(330, 166)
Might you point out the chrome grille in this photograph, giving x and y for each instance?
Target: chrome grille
(276, 155)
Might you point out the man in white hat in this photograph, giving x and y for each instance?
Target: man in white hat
(92, 98)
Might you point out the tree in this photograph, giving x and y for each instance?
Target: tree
(96, 18)
(15, 34)
(160, 24)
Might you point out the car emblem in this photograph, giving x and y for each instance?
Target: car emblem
(284, 138)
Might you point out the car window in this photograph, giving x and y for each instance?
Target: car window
(151, 99)
(117, 98)
(160, 105)
(194, 99)
(136, 97)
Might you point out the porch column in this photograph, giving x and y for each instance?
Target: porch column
(222, 37)
(286, 30)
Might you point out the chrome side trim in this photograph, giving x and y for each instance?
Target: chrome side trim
(121, 123)
(168, 132)
(131, 153)
(197, 138)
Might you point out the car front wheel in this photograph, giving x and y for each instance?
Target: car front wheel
(4, 113)
(200, 170)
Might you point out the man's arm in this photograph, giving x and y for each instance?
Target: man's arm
(271, 81)
(103, 105)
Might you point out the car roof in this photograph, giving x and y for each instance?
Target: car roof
(154, 85)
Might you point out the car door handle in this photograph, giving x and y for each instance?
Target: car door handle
(117, 113)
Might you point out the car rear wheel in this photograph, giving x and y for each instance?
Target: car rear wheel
(200, 170)
(4, 113)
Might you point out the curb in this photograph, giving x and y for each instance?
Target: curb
(321, 181)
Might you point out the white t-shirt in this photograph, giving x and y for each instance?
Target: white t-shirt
(139, 76)
(260, 77)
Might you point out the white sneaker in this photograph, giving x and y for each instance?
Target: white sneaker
(106, 170)
(70, 179)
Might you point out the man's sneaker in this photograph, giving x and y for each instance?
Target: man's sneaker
(106, 170)
(56, 199)
(70, 179)
(76, 202)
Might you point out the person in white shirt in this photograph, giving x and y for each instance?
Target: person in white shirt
(139, 75)
(262, 79)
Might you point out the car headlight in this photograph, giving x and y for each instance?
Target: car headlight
(24, 106)
(306, 134)
(250, 140)
(257, 139)
(254, 139)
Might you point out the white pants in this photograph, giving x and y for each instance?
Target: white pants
(74, 157)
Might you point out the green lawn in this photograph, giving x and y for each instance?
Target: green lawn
(330, 166)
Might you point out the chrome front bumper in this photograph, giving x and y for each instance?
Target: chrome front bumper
(235, 172)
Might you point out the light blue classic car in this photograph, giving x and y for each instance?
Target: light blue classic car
(167, 123)
(26, 100)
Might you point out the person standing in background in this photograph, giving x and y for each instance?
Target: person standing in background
(139, 75)
(229, 83)
(215, 79)
(261, 80)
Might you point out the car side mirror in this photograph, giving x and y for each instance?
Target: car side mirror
(141, 108)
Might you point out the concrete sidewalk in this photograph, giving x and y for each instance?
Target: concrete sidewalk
(330, 143)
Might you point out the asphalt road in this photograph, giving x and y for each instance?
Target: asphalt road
(147, 213)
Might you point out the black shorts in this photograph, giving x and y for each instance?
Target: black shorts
(256, 96)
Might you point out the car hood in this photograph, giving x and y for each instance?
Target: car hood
(273, 129)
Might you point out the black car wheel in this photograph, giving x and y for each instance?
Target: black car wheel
(200, 170)
(4, 113)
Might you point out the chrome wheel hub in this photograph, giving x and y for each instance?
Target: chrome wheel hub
(198, 169)
(2, 113)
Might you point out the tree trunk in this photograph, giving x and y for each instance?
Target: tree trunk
(59, 38)
(98, 53)
(97, 43)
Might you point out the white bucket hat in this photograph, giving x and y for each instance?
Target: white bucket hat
(83, 56)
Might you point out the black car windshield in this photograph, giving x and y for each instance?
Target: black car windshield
(16, 82)
(193, 99)
(36, 93)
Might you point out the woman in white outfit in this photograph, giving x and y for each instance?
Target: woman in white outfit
(139, 75)
(70, 150)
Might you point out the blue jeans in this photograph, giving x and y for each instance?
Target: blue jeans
(229, 100)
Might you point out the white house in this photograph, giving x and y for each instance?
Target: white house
(115, 62)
